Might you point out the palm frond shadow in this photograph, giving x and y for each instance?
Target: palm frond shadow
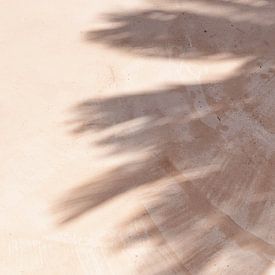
(221, 211)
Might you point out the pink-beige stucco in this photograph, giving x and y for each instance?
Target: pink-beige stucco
(137, 137)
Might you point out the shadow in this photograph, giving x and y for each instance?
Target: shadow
(152, 123)
(182, 34)
(207, 150)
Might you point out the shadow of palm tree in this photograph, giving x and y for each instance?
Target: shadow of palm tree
(209, 148)
(182, 34)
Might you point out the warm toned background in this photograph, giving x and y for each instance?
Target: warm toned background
(137, 137)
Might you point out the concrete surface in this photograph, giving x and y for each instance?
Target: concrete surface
(137, 137)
